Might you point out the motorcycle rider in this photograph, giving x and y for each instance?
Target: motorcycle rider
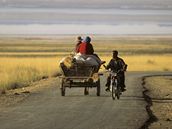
(117, 65)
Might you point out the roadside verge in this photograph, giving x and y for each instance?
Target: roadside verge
(158, 94)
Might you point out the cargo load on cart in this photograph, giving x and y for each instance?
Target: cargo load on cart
(80, 71)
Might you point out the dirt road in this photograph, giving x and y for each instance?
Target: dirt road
(44, 108)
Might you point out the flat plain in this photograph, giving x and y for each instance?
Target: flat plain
(27, 59)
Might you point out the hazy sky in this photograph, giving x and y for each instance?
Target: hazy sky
(139, 4)
(81, 16)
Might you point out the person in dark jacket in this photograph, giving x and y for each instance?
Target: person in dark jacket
(118, 65)
(86, 47)
(79, 41)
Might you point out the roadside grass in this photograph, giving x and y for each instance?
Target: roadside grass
(19, 72)
(146, 62)
(24, 60)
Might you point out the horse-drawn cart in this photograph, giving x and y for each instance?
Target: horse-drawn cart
(81, 76)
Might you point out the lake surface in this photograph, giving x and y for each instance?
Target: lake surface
(83, 17)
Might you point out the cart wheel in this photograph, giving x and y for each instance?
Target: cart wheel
(98, 87)
(86, 92)
(62, 89)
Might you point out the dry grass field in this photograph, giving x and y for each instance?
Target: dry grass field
(24, 60)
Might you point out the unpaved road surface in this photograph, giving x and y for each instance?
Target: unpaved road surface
(44, 108)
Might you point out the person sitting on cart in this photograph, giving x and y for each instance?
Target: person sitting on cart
(79, 41)
(117, 65)
(86, 48)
